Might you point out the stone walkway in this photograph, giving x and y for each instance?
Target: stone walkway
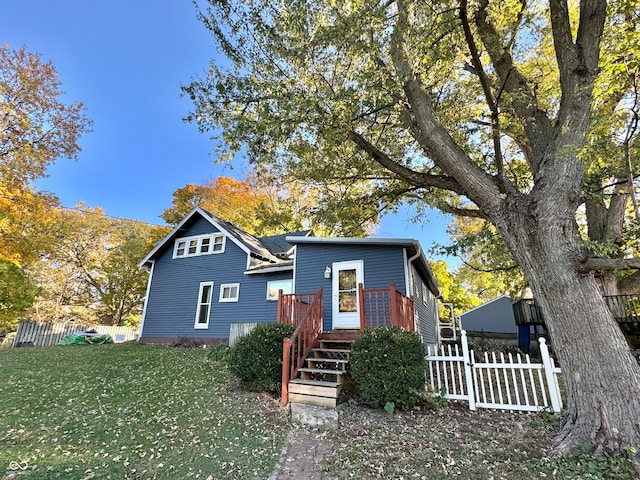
(303, 456)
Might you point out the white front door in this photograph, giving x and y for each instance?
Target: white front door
(345, 302)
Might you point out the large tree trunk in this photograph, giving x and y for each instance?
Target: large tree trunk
(602, 378)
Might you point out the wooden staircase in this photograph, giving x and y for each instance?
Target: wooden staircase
(321, 378)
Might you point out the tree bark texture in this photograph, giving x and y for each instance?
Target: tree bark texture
(602, 379)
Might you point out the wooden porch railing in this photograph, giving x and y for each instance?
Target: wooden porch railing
(296, 348)
(625, 309)
(293, 307)
(380, 307)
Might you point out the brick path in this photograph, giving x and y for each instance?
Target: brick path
(303, 457)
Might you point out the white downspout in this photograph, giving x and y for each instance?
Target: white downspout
(146, 298)
(409, 278)
(410, 283)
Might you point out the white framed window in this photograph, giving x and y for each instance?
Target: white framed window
(204, 305)
(218, 243)
(274, 286)
(425, 293)
(229, 292)
(199, 245)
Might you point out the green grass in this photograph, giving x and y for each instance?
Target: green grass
(136, 412)
(131, 412)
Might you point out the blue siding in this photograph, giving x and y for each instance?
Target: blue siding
(381, 265)
(426, 309)
(173, 293)
(495, 316)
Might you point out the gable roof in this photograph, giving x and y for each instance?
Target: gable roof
(485, 304)
(269, 251)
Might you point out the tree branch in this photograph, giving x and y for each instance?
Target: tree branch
(411, 176)
(577, 63)
(462, 212)
(492, 102)
(537, 124)
(608, 264)
(490, 270)
(420, 118)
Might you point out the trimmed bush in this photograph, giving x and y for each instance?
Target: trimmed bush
(388, 365)
(257, 357)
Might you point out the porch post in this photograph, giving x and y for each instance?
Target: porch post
(363, 312)
(280, 307)
(393, 304)
(286, 348)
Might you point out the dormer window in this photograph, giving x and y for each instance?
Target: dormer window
(198, 245)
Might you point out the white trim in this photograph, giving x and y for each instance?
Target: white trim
(146, 299)
(200, 240)
(358, 266)
(225, 286)
(197, 325)
(352, 240)
(295, 267)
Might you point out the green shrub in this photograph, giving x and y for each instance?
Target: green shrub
(388, 365)
(257, 357)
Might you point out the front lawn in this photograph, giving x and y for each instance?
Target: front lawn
(136, 412)
(131, 412)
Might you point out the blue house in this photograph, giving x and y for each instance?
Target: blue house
(207, 274)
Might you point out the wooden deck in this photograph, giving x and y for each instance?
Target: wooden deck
(625, 310)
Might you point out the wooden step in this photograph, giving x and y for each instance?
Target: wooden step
(330, 389)
(322, 371)
(320, 383)
(314, 392)
(336, 341)
(341, 335)
(341, 361)
(330, 344)
(337, 363)
(330, 350)
(325, 402)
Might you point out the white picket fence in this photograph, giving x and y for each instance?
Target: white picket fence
(495, 381)
(46, 334)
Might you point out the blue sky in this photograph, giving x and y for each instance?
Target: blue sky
(125, 60)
